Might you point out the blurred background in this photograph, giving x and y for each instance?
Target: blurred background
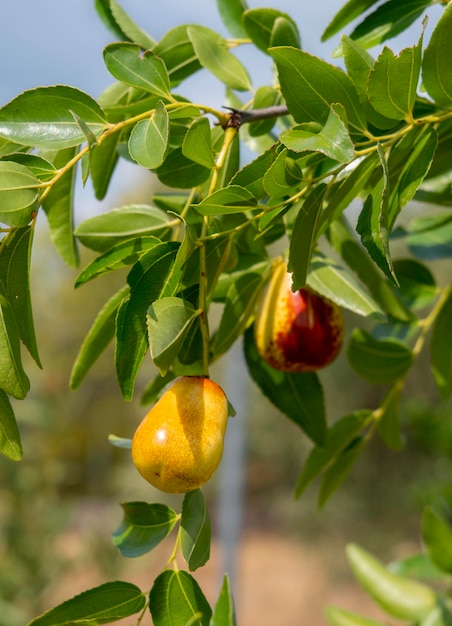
(60, 504)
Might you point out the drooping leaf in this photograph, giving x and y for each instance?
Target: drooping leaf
(42, 117)
(168, 321)
(373, 223)
(339, 469)
(104, 158)
(393, 81)
(19, 197)
(128, 64)
(195, 530)
(102, 232)
(107, 603)
(309, 86)
(260, 26)
(333, 281)
(224, 611)
(176, 598)
(338, 437)
(231, 199)
(147, 279)
(389, 421)
(59, 208)
(181, 173)
(304, 235)
(123, 254)
(231, 12)
(441, 347)
(332, 139)
(99, 336)
(213, 54)
(299, 396)
(15, 275)
(197, 144)
(148, 142)
(437, 535)
(381, 362)
(437, 64)
(10, 443)
(144, 526)
(121, 24)
(13, 379)
(347, 13)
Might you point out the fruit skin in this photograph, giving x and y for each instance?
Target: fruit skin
(299, 331)
(179, 443)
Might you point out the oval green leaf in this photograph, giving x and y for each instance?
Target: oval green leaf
(176, 598)
(148, 141)
(195, 530)
(19, 197)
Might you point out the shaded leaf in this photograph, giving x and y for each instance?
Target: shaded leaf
(430, 237)
(13, 379)
(148, 141)
(389, 421)
(127, 63)
(231, 199)
(181, 173)
(347, 13)
(197, 144)
(144, 526)
(380, 362)
(42, 117)
(299, 396)
(437, 535)
(441, 347)
(176, 598)
(107, 603)
(417, 283)
(437, 64)
(59, 208)
(213, 54)
(10, 443)
(99, 336)
(19, 197)
(104, 158)
(262, 25)
(176, 50)
(339, 469)
(195, 530)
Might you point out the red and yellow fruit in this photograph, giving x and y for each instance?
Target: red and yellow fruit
(299, 331)
(179, 444)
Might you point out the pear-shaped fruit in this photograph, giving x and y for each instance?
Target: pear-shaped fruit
(297, 331)
(178, 445)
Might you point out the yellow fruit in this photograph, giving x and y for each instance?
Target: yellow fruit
(179, 444)
(299, 331)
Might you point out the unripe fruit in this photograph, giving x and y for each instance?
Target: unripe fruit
(178, 445)
(299, 331)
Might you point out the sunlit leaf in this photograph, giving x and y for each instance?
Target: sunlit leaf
(224, 611)
(148, 142)
(18, 194)
(341, 617)
(231, 12)
(437, 64)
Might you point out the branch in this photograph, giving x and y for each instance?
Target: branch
(240, 116)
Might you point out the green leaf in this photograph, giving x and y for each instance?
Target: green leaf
(197, 144)
(264, 97)
(340, 617)
(417, 283)
(262, 27)
(231, 199)
(144, 526)
(350, 10)
(299, 396)
(373, 223)
(15, 274)
(107, 603)
(169, 321)
(10, 444)
(240, 305)
(389, 421)
(399, 596)
(148, 141)
(437, 535)
(353, 253)
(43, 169)
(285, 33)
(19, 198)
(393, 80)
(437, 64)
(176, 50)
(42, 117)
(231, 12)
(338, 437)
(176, 598)
(118, 257)
(304, 235)
(147, 279)
(381, 362)
(332, 139)
(59, 208)
(99, 336)
(251, 176)
(122, 25)
(120, 442)
(416, 566)
(106, 230)
(195, 530)
(104, 158)
(13, 379)
(213, 54)
(389, 19)
(441, 347)
(181, 173)
(339, 469)
(309, 86)
(430, 237)
(334, 282)
(127, 63)
(224, 611)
